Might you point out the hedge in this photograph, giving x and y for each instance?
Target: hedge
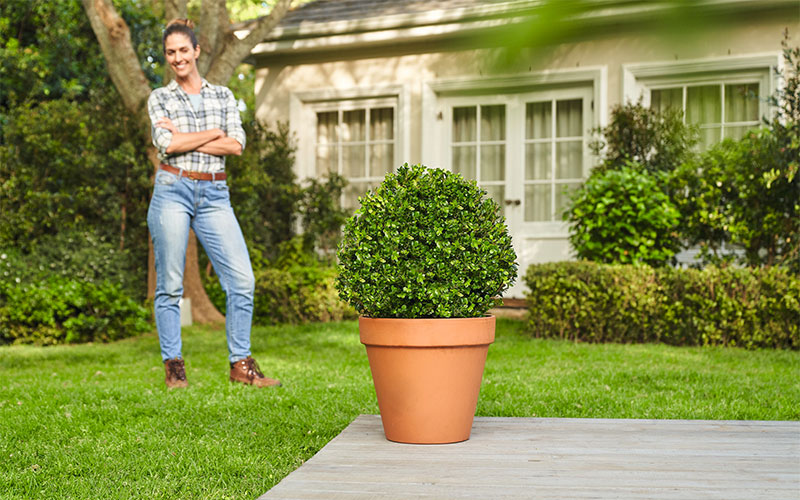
(62, 310)
(590, 302)
(299, 294)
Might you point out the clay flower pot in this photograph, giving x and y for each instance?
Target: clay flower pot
(427, 374)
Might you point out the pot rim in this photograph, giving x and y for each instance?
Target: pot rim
(427, 332)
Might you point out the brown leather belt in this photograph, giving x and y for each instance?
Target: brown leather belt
(197, 176)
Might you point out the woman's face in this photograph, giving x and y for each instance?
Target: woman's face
(180, 54)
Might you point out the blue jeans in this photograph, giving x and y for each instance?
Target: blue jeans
(177, 204)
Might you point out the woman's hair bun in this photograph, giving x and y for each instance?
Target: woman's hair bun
(183, 22)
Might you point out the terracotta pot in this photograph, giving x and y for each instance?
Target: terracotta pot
(427, 374)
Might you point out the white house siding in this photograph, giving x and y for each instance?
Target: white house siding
(423, 83)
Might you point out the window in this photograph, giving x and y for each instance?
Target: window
(479, 146)
(720, 110)
(719, 96)
(553, 156)
(527, 150)
(357, 141)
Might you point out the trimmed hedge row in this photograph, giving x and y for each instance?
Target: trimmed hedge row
(299, 294)
(61, 310)
(590, 302)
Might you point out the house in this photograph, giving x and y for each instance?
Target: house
(367, 85)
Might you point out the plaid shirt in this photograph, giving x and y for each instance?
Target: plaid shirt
(219, 111)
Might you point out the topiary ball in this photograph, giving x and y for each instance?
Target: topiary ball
(425, 244)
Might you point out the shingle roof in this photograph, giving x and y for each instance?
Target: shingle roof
(324, 11)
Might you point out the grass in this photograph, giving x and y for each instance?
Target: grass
(95, 421)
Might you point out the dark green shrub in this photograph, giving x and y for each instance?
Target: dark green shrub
(623, 216)
(78, 254)
(740, 201)
(586, 301)
(299, 293)
(425, 243)
(323, 215)
(656, 141)
(70, 168)
(64, 310)
(264, 189)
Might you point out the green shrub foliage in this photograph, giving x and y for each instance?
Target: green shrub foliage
(656, 141)
(590, 302)
(425, 243)
(263, 186)
(301, 293)
(740, 201)
(64, 310)
(622, 216)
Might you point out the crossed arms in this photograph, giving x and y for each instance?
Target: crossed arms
(212, 141)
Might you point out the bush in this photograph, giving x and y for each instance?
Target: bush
(656, 141)
(425, 243)
(77, 254)
(622, 216)
(590, 302)
(63, 310)
(740, 201)
(300, 293)
(263, 188)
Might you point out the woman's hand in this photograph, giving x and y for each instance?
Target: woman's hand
(165, 122)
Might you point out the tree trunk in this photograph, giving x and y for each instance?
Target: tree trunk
(222, 52)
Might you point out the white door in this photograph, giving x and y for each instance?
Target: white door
(529, 151)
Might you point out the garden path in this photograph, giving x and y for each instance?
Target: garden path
(551, 458)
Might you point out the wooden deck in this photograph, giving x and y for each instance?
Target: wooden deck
(546, 458)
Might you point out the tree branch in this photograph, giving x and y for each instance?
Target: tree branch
(232, 51)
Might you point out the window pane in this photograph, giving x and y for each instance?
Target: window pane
(569, 160)
(664, 99)
(709, 136)
(353, 125)
(538, 120)
(703, 104)
(493, 123)
(738, 132)
(353, 161)
(538, 158)
(464, 161)
(351, 193)
(569, 118)
(741, 103)
(326, 127)
(498, 194)
(381, 159)
(465, 127)
(493, 162)
(381, 124)
(537, 202)
(327, 160)
(563, 194)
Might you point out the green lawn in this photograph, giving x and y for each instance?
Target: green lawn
(95, 421)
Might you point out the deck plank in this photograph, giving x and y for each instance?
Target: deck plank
(547, 458)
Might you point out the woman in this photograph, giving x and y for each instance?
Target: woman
(195, 125)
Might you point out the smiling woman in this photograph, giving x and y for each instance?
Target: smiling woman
(195, 125)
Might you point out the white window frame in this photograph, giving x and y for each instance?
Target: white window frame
(640, 78)
(303, 108)
(367, 105)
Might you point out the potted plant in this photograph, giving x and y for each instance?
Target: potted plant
(422, 261)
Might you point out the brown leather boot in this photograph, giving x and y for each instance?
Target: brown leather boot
(176, 373)
(247, 372)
